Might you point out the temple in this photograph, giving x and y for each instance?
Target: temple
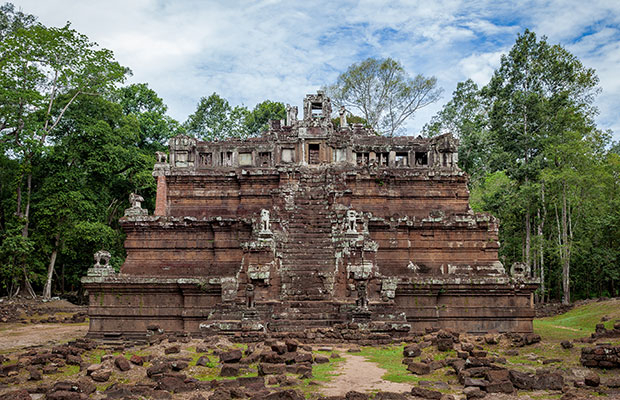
(309, 230)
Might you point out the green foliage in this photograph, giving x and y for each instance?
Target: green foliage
(384, 93)
(215, 119)
(257, 120)
(351, 119)
(464, 117)
(538, 162)
(74, 146)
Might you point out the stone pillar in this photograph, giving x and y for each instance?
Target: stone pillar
(161, 201)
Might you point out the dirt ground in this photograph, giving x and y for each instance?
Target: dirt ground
(17, 336)
(363, 376)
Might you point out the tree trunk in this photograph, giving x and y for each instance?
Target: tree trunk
(541, 227)
(566, 252)
(47, 290)
(26, 216)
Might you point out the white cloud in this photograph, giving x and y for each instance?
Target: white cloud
(248, 51)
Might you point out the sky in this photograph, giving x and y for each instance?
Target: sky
(251, 51)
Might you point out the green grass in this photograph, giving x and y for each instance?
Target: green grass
(321, 373)
(578, 322)
(69, 370)
(390, 359)
(94, 356)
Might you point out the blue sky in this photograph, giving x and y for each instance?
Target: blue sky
(249, 51)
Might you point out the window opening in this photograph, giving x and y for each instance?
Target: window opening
(264, 158)
(402, 159)
(421, 158)
(313, 153)
(226, 158)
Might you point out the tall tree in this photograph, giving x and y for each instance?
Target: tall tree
(465, 117)
(257, 120)
(384, 93)
(141, 102)
(42, 73)
(216, 119)
(531, 128)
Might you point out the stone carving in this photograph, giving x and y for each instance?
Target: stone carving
(102, 265)
(136, 206)
(343, 117)
(102, 259)
(136, 200)
(265, 227)
(362, 295)
(317, 110)
(520, 270)
(249, 295)
(291, 115)
(161, 157)
(183, 151)
(351, 221)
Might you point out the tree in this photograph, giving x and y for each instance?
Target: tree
(540, 95)
(257, 120)
(215, 119)
(383, 92)
(465, 117)
(42, 73)
(141, 102)
(539, 163)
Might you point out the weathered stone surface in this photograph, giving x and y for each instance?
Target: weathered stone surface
(473, 393)
(307, 224)
(419, 368)
(592, 379)
(390, 396)
(289, 394)
(231, 356)
(353, 395)
(321, 359)
(21, 394)
(601, 356)
(548, 381)
(230, 370)
(271, 369)
(521, 380)
(101, 375)
(136, 360)
(426, 393)
(412, 350)
(122, 363)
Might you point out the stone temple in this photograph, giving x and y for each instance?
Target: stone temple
(311, 231)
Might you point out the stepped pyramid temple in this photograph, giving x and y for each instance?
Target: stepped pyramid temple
(311, 231)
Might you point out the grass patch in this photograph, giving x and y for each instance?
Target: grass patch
(390, 359)
(578, 322)
(69, 370)
(321, 373)
(94, 356)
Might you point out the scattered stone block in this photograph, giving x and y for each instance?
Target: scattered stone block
(426, 393)
(592, 379)
(419, 368)
(122, 363)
